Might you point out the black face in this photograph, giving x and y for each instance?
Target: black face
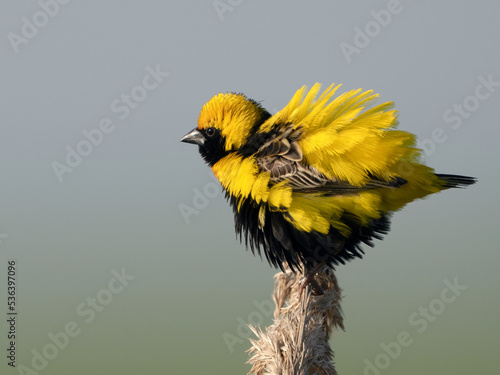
(212, 149)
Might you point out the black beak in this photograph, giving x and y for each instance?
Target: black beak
(194, 137)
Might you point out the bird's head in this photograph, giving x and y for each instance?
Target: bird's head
(224, 125)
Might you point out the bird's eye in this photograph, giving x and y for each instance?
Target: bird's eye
(210, 131)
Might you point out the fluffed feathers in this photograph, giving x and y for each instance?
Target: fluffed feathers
(313, 182)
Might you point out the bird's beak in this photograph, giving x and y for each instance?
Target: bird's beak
(195, 137)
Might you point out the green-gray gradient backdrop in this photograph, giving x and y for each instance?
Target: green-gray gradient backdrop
(185, 287)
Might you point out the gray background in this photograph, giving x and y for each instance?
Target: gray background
(194, 283)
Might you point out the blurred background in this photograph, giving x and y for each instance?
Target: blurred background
(125, 252)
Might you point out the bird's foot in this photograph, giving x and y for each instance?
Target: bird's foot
(308, 278)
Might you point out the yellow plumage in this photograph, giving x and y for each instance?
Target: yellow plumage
(327, 165)
(341, 141)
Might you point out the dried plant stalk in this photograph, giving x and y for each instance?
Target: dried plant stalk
(297, 341)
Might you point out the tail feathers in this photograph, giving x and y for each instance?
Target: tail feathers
(455, 181)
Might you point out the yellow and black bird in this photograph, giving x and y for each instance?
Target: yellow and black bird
(313, 182)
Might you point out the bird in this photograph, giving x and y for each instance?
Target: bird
(319, 180)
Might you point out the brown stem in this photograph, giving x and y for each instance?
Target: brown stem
(297, 341)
